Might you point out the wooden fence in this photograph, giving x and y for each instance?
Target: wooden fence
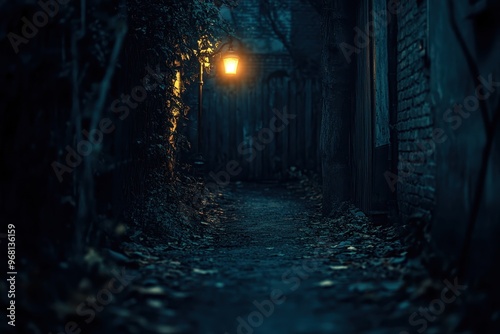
(242, 123)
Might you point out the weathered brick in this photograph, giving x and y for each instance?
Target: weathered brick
(415, 121)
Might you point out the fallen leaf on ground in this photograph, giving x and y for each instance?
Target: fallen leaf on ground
(204, 271)
(392, 286)
(326, 283)
(362, 287)
(154, 290)
(338, 267)
(155, 303)
(165, 329)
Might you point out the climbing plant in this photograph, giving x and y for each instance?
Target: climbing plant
(80, 143)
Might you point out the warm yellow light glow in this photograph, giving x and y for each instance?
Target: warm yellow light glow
(206, 62)
(177, 84)
(231, 61)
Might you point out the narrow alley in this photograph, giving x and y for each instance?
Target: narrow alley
(250, 167)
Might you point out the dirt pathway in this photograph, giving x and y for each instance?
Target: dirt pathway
(272, 265)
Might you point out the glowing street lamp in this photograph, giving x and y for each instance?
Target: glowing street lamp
(230, 60)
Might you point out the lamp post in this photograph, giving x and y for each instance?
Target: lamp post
(200, 106)
(230, 60)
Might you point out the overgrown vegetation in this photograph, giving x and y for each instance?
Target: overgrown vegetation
(90, 125)
(172, 38)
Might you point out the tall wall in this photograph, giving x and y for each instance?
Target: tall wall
(416, 169)
(445, 105)
(448, 143)
(457, 97)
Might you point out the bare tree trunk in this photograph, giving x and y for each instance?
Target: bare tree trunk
(338, 93)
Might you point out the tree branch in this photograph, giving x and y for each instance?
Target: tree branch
(272, 17)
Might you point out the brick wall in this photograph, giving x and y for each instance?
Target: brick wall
(254, 29)
(416, 169)
(306, 31)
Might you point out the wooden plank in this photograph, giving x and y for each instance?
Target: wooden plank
(300, 122)
(213, 134)
(363, 124)
(292, 140)
(287, 142)
(231, 129)
(318, 116)
(308, 113)
(263, 107)
(271, 146)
